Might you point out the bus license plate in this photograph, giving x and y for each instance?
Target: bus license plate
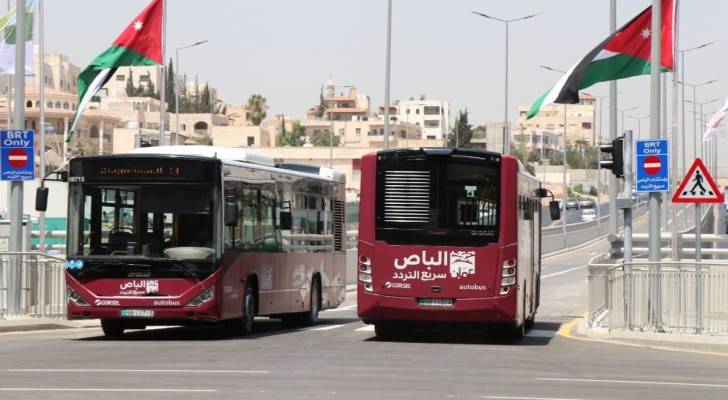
(434, 302)
(137, 313)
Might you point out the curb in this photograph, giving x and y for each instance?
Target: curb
(41, 327)
(576, 330)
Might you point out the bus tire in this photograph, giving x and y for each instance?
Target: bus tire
(310, 317)
(250, 304)
(112, 327)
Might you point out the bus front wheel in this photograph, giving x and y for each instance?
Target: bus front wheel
(112, 327)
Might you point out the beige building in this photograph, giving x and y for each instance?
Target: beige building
(579, 120)
(544, 142)
(369, 133)
(346, 106)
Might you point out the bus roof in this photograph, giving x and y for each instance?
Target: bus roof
(222, 153)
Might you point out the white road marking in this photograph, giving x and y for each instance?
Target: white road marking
(366, 328)
(142, 371)
(541, 333)
(711, 385)
(325, 327)
(524, 398)
(107, 390)
(563, 272)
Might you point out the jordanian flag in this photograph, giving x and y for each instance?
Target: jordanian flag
(139, 44)
(624, 54)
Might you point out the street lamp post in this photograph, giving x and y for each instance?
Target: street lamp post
(388, 68)
(698, 134)
(695, 127)
(176, 83)
(639, 124)
(682, 79)
(506, 133)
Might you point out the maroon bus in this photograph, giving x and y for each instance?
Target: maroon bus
(448, 235)
(198, 234)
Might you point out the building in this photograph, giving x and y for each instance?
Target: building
(364, 133)
(433, 116)
(352, 106)
(544, 142)
(579, 120)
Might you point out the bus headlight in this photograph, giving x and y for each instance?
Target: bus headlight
(202, 298)
(71, 295)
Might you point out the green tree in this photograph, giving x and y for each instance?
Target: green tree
(322, 104)
(557, 158)
(257, 107)
(323, 139)
(296, 137)
(131, 91)
(462, 132)
(149, 90)
(169, 87)
(534, 156)
(206, 105)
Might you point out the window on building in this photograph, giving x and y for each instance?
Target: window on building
(37, 104)
(431, 137)
(403, 134)
(408, 111)
(144, 78)
(432, 123)
(417, 123)
(341, 131)
(586, 125)
(417, 111)
(49, 104)
(58, 104)
(358, 131)
(523, 113)
(66, 106)
(432, 110)
(184, 127)
(120, 77)
(251, 141)
(94, 133)
(29, 104)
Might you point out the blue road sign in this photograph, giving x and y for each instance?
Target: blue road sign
(652, 165)
(17, 150)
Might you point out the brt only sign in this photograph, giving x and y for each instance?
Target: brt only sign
(652, 165)
(17, 151)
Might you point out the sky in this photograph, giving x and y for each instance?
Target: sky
(286, 49)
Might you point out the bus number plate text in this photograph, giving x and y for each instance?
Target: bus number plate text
(434, 302)
(137, 313)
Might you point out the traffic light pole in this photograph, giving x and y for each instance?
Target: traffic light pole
(612, 185)
(627, 194)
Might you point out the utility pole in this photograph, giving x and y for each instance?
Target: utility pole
(16, 187)
(387, 73)
(612, 127)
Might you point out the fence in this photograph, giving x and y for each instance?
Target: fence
(667, 296)
(42, 284)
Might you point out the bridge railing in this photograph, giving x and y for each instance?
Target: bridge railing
(666, 296)
(42, 284)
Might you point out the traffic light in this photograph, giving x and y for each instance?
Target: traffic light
(615, 162)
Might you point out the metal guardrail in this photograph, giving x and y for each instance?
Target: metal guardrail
(666, 296)
(42, 284)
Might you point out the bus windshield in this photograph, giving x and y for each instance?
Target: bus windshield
(155, 221)
(437, 200)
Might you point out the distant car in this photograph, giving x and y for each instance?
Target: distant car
(572, 203)
(586, 203)
(588, 214)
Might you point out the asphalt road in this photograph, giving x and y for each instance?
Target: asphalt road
(341, 358)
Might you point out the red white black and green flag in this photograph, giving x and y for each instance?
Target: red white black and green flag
(624, 54)
(138, 45)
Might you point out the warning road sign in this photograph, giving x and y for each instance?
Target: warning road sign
(16, 155)
(697, 186)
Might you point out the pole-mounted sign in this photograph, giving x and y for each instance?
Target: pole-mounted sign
(698, 187)
(17, 151)
(652, 166)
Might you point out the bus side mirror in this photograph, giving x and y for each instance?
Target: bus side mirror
(41, 199)
(231, 214)
(555, 210)
(286, 221)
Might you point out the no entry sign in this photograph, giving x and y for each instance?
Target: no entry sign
(16, 155)
(652, 165)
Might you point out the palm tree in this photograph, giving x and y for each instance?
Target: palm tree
(257, 106)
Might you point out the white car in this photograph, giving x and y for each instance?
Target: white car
(588, 214)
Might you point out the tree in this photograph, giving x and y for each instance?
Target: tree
(534, 156)
(295, 138)
(257, 107)
(203, 140)
(169, 87)
(462, 132)
(557, 158)
(323, 139)
(150, 90)
(131, 91)
(206, 105)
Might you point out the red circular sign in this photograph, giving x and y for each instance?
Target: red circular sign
(652, 165)
(18, 158)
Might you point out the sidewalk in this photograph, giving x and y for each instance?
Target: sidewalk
(708, 344)
(43, 324)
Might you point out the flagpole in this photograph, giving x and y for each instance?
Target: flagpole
(41, 81)
(675, 137)
(163, 75)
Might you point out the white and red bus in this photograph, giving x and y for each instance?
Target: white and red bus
(182, 235)
(448, 235)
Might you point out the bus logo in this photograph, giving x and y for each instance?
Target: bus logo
(462, 263)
